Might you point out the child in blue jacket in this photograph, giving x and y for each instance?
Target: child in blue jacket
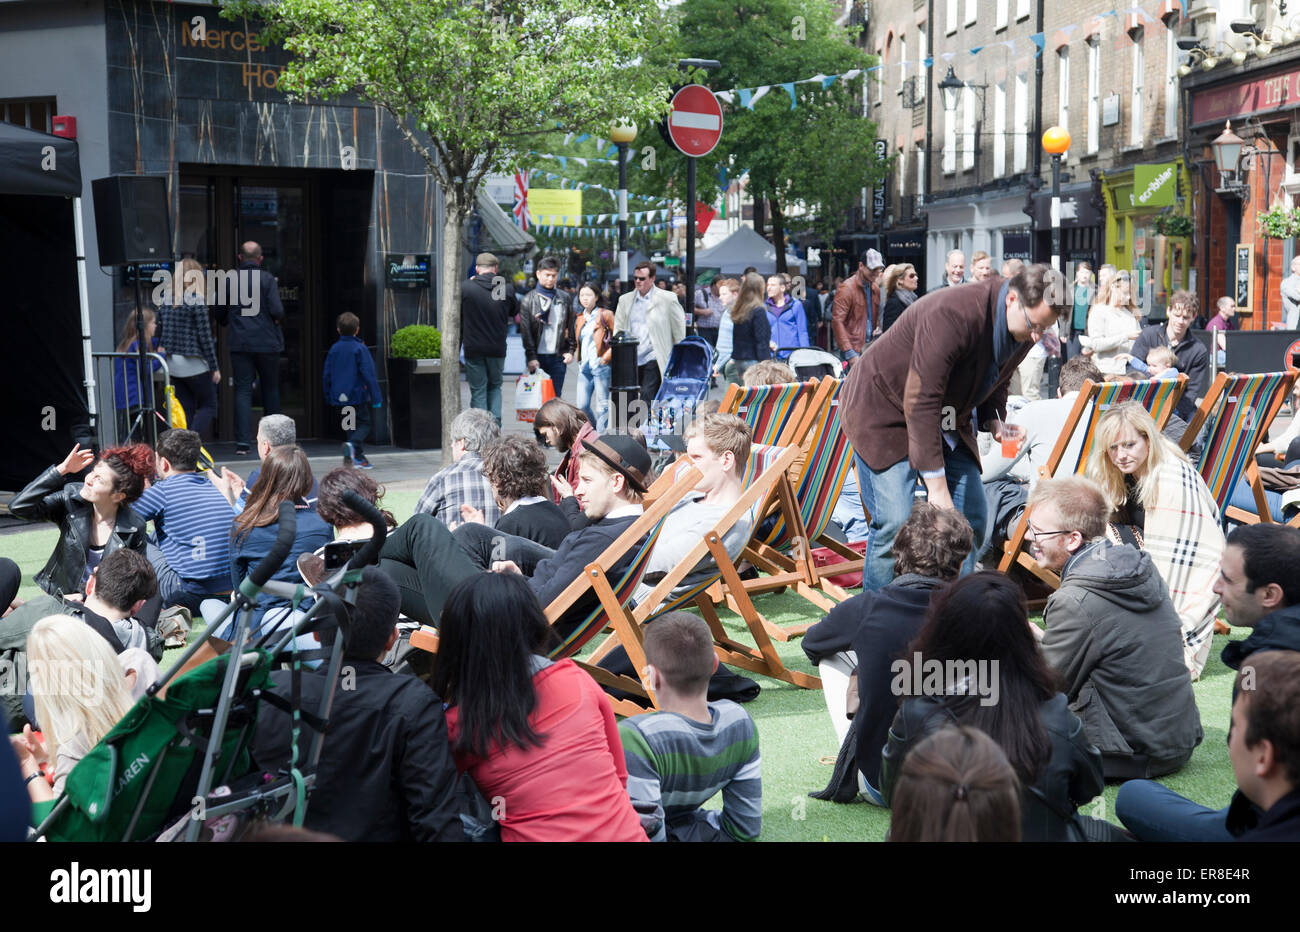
(350, 385)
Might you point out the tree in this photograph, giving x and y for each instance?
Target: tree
(817, 154)
(469, 83)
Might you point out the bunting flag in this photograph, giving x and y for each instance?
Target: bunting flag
(1039, 40)
(789, 89)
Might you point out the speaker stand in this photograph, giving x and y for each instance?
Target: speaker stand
(144, 372)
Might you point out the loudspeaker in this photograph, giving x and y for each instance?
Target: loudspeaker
(131, 219)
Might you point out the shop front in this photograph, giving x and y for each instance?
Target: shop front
(1081, 225)
(994, 224)
(1247, 212)
(1148, 229)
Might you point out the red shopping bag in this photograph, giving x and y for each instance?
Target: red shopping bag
(532, 390)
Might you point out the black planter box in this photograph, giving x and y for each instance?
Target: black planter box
(415, 391)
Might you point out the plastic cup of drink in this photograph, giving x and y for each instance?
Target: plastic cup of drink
(1012, 436)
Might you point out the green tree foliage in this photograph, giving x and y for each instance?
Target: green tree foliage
(471, 84)
(819, 154)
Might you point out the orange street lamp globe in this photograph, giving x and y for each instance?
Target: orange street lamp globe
(1056, 140)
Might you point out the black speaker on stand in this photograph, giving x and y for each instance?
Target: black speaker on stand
(132, 225)
(625, 389)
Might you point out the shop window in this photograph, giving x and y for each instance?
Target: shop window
(33, 113)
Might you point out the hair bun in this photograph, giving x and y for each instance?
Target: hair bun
(137, 457)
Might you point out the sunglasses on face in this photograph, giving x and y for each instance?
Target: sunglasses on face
(642, 278)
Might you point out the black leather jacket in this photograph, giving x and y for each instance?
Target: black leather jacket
(1071, 776)
(532, 317)
(51, 498)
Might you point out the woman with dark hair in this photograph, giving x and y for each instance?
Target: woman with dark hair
(956, 785)
(536, 733)
(421, 556)
(564, 427)
(94, 517)
(595, 327)
(976, 663)
(749, 335)
(285, 477)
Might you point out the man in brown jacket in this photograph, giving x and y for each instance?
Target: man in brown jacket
(857, 311)
(908, 405)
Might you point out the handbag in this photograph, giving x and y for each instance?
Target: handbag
(532, 390)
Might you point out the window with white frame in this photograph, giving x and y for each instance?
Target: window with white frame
(1021, 157)
(922, 72)
(920, 170)
(971, 11)
(949, 141)
(900, 166)
(968, 129)
(1094, 92)
(1171, 78)
(1063, 87)
(1135, 135)
(951, 20)
(1001, 14)
(902, 59)
(999, 130)
(1022, 9)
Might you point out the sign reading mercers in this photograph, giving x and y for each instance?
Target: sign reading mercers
(695, 123)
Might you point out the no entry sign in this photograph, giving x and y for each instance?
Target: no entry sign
(695, 122)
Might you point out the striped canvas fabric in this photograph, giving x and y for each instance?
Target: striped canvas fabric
(1240, 420)
(766, 409)
(623, 588)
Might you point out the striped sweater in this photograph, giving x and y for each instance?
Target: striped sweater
(675, 765)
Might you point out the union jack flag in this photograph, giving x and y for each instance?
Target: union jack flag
(521, 200)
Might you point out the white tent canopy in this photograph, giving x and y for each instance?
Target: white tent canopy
(742, 249)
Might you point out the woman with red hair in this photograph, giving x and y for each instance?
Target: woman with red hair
(94, 516)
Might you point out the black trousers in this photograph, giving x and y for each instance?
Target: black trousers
(648, 376)
(423, 559)
(483, 545)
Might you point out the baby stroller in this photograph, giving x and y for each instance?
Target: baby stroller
(178, 763)
(809, 362)
(685, 385)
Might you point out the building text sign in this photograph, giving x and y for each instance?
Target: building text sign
(1240, 100)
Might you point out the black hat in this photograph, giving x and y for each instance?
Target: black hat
(621, 452)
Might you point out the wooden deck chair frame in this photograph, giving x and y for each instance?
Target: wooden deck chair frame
(829, 457)
(613, 595)
(760, 658)
(1158, 396)
(1223, 410)
(795, 568)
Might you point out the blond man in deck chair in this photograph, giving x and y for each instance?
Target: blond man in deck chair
(717, 445)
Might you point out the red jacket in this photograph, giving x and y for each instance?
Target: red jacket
(573, 787)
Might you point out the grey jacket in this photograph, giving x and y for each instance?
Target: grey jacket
(1114, 636)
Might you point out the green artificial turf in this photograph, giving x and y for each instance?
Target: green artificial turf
(794, 727)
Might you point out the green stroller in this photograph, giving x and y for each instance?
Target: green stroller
(178, 765)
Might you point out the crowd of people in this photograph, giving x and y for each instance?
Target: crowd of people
(949, 705)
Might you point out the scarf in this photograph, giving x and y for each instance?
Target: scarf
(907, 297)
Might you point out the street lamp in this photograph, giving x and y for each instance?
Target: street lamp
(623, 134)
(1056, 142)
(952, 86)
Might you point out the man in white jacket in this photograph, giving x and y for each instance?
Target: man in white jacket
(655, 318)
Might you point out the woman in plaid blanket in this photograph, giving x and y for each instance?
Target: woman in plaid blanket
(1163, 505)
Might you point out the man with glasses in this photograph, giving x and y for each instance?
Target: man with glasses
(656, 319)
(1192, 357)
(910, 405)
(1113, 635)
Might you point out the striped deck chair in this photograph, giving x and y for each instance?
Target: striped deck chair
(1158, 396)
(774, 413)
(769, 466)
(614, 596)
(784, 552)
(1239, 410)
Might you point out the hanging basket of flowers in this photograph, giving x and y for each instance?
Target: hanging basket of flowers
(1279, 222)
(1171, 224)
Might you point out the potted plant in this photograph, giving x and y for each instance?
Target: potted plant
(1172, 224)
(415, 387)
(1280, 222)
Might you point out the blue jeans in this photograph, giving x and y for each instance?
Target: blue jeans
(889, 495)
(593, 393)
(553, 365)
(1242, 497)
(484, 375)
(357, 436)
(265, 367)
(1154, 812)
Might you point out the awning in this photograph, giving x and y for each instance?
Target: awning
(38, 163)
(508, 238)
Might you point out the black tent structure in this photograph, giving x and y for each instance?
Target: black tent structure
(46, 371)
